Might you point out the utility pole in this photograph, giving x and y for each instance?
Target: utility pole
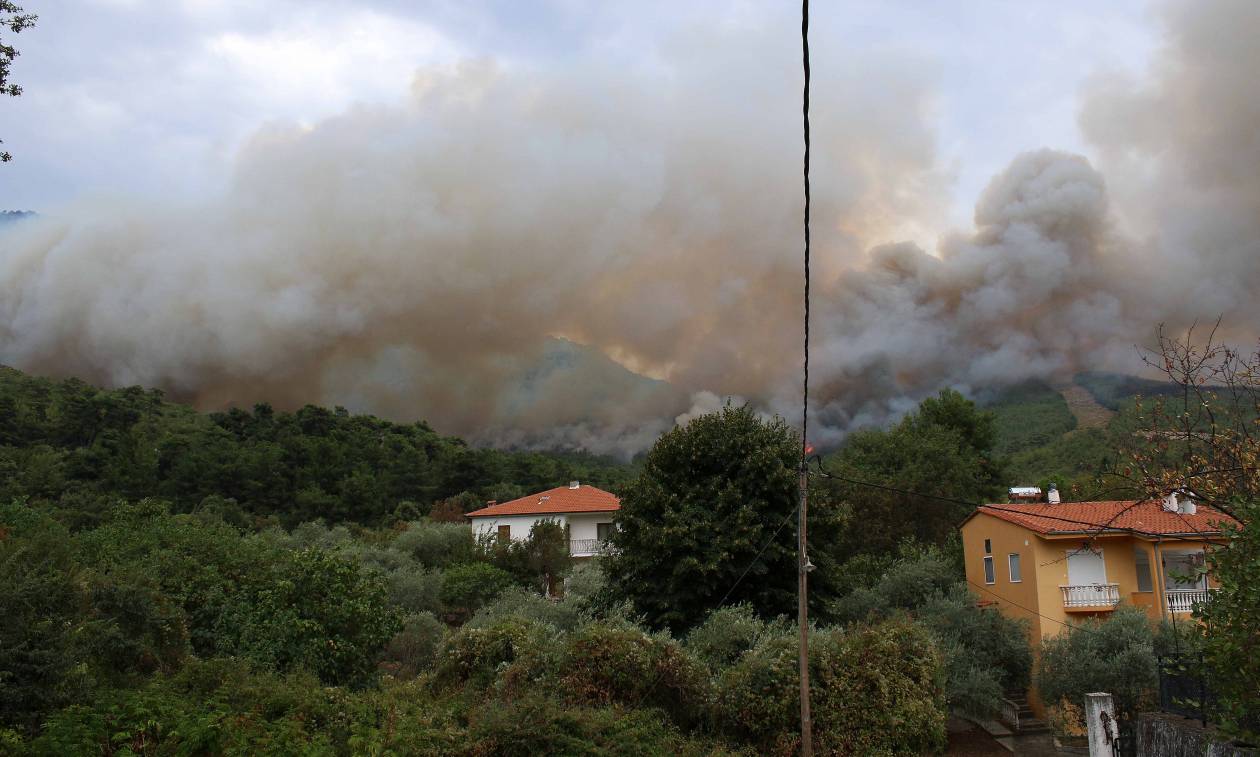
(802, 615)
(803, 565)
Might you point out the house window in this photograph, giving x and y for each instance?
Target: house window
(988, 546)
(505, 533)
(1012, 562)
(603, 531)
(1142, 562)
(988, 570)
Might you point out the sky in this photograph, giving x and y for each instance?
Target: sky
(403, 207)
(155, 97)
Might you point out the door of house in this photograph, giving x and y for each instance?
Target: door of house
(1086, 567)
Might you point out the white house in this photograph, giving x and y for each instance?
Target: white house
(586, 511)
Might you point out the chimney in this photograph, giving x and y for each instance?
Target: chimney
(1052, 495)
(491, 502)
(574, 484)
(1170, 503)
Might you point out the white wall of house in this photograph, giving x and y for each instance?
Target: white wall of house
(520, 524)
(581, 525)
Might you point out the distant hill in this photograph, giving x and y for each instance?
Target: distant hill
(13, 216)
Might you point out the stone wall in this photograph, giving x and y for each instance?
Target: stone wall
(1163, 735)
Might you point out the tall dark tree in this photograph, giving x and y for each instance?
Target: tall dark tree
(715, 498)
(15, 20)
(944, 449)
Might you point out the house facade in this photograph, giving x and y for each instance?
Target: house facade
(1053, 563)
(585, 511)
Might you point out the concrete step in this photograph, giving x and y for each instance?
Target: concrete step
(1032, 726)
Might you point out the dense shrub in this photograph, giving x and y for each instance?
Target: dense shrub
(467, 588)
(619, 663)
(436, 545)
(728, 633)
(43, 607)
(416, 589)
(224, 707)
(986, 652)
(414, 648)
(1116, 654)
(317, 612)
(536, 726)
(475, 655)
(564, 614)
(875, 691)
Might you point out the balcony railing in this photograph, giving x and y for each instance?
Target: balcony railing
(1091, 595)
(587, 547)
(1184, 600)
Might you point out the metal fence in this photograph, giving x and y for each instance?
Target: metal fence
(1185, 687)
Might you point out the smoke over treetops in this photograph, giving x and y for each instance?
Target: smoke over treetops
(436, 258)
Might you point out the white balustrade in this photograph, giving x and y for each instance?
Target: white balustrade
(1091, 595)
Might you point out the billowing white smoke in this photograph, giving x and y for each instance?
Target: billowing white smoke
(421, 260)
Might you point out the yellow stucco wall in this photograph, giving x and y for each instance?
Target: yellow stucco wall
(1038, 597)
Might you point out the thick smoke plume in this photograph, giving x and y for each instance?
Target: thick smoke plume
(424, 260)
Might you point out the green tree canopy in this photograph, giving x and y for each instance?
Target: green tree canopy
(945, 449)
(715, 497)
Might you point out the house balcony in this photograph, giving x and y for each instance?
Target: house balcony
(1090, 597)
(587, 547)
(1184, 600)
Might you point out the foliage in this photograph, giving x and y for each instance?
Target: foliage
(1204, 436)
(44, 609)
(540, 561)
(317, 611)
(727, 633)
(474, 655)
(414, 648)
(564, 614)
(945, 448)
(534, 725)
(875, 690)
(712, 500)
(1115, 654)
(1027, 416)
(435, 544)
(985, 653)
(15, 20)
(223, 707)
(1232, 618)
(466, 588)
(618, 663)
(66, 439)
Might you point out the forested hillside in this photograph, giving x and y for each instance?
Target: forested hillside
(75, 444)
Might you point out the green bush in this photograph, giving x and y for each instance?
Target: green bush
(564, 614)
(619, 663)
(415, 647)
(1115, 654)
(317, 611)
(467, 588)
(728, 633)
(436, 545)
(415, 588)
(986, 653)
(536, 726)
(875, 690)
(476, 655)
(43, 610)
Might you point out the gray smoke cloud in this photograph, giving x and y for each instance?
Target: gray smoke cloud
(438, 258)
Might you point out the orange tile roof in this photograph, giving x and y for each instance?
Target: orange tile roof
(1145, 517)
(562, 499)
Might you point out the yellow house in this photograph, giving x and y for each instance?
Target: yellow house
(1054, 564)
